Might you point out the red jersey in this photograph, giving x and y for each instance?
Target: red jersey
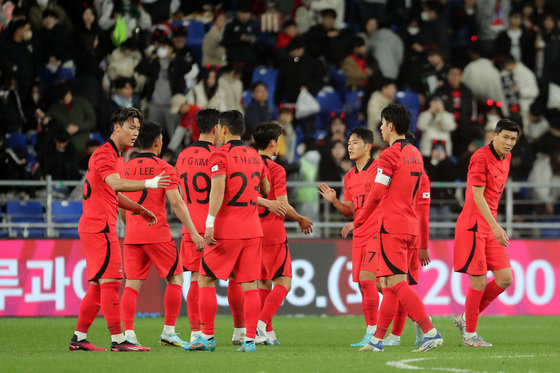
(100, 202)
(488, 170)
(273, 225)
(423, 211)
(243, 168)
(142, 167)
(193, 169)
(400, 166)
(357, 185)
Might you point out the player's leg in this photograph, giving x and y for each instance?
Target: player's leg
(208, 306)
(172, 304)
(503, 278)
(192, 306)
(282, 285)
(370, 303)
(235, 301)
(265, 288)
(89, 307)
(128, 308)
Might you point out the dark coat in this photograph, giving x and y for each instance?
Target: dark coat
(237, 49)
(502, 47)
(295, 73)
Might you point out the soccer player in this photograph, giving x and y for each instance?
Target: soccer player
(97, 228)
(397, 181)
(480, 243)
(233, 230)
(357, 185)
(276, 260)
(144, 246)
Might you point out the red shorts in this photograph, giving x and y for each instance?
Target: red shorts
(103, 255)
(395, 249)
(365, 258)
(240, 256)
(276, 261)
(189, 256)
(413, 266)
(476, 252)
(164, 255)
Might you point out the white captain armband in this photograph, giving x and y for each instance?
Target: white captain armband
(381, 178)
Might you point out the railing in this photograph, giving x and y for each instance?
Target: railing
(328, 222)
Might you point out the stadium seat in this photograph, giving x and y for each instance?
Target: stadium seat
(247, 97)
(96, 136)
(268, 77)
(16, 141)
(196, 32)
(410, 100)
(330, 102)
(67, 212)
(26, 212)
(338, 82)
(352, 108)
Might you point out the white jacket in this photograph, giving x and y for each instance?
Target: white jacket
(435, 127)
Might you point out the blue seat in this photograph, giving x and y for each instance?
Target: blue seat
(196, 32)
(247, 97)
(26, 212)
(338, 82)
(330, 102)
(410, 100)
(267, 76)
(67, 212)
(16, 141)
(96, 136)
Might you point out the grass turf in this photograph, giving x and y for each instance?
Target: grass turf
(310, 344)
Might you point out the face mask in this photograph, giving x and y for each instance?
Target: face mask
(492, 118)
(42, 2)
(28, 35)
(413, 30)
(162, 52)
(425, 17)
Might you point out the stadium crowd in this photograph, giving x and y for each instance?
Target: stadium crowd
(459, 66)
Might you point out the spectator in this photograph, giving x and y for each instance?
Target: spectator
(516, 41)
(550, 140)
(436, 124)
(122, 62)
(325, 40)
(258, 110)
(335, 163)
(377, 9)
(546, 169)
(385, 47)
(184, 58)
(56, 44)
(433, 33)
(122, 97)
(307, 198)
(213, 53)
(492, 18)
(131, 12)
(289, 31)
(187, 131)
(240, 40)
(74, 114)
(547, 48)
(537, 124)
(287, 150)
(434, 74)
(414, 56)
(337, 132)
(231, 85)
(36, 13)
(12, 112)
(463, 26)
(355, 67)
(62, 161)
(377, 102)
(339, 7)
(520, 87)
(522, 158)
(300, 72)
(304, 16)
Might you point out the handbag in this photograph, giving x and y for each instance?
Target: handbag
(306, 105)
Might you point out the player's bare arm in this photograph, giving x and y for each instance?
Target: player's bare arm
(346, 208)
(482, 204)
(182, 212)
(125, 185)
(127, 204)
(216, 199)
(265, 186)
(305, 224)
(275, 207)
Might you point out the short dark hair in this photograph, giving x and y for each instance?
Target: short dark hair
(328, 13)
(61, 135)
(265, 132)
(234, 121)
(148, 134)
(50, 13)
(296, 43)
(358, 41)
(398, 115)
(206, 119)
(124, 114)
(410, 137)
(365, 135)
(258, 83)
(507, 125)
(61, 90)
(122, 81)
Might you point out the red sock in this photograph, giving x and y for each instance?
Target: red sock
(252, 307)
(111, 306)
(413, 305)
(208, 305)
(235, 299)
(491, 292)
(386, 312)
(128, 309)
(273, 303)
(172, 303)
(192, 307)
(399, 320)
(370, 301)
(472, 304)
(89, 307)
(264, 293)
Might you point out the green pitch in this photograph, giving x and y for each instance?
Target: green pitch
(310, 344)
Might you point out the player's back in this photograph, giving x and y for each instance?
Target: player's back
(146, 166)
(243, 168)
(272, 224)
(404, 164)
(193, 170)
(100, 202)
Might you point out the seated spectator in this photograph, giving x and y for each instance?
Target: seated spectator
(75, 115)
(546, 169)
(289, 31)
(385, 47)
(131, 12)
(335, 163)
(325, 40)
(355, 67)
(122, 62)
(304, 16)
(337, 132)
(37, 9)
(12, 113)
(537, 125)
(122, 97)
(520, 87)
(516, 41)
(287, 150)
(434, 74)
(434, 31)
(207, 93)
(230, 82)
(62, 161)
(547, 48)
(213, 52)
(377, 102)
(258, 110)
(187, 131)
(436, 124)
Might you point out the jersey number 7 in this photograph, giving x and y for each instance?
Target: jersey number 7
(418, 175)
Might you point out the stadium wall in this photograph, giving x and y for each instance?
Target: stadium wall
(47, 278)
